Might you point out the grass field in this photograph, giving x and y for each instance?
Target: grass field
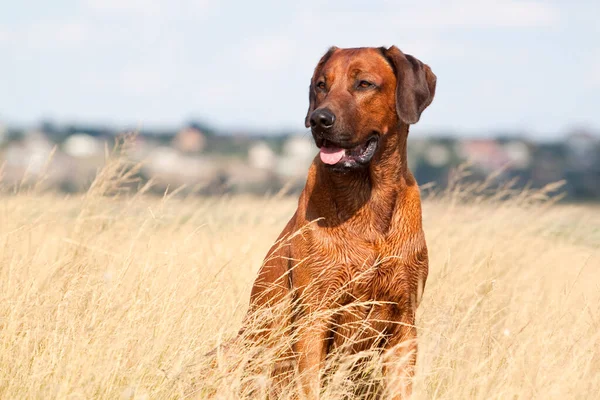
(116, 296)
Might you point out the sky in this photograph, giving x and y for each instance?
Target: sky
(502, 65)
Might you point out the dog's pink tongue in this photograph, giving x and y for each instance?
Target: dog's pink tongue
(331, 155)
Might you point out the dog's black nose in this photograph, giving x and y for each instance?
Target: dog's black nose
(322, 118)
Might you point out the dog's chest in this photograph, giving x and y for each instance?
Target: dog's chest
(362, 269)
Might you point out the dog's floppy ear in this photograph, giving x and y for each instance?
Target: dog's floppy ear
(311, 90)
(415, 84)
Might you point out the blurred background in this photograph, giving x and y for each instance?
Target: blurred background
(218, 90)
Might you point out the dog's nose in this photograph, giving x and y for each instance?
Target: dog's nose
(322, 118)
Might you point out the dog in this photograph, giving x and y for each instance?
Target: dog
(361, 249)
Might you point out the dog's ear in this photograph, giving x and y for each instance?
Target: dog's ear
(415, 84)
(311, 90)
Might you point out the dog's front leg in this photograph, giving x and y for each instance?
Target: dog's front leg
(400, 357)
(311, 348)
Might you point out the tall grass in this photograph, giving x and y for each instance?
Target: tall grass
(115, 294)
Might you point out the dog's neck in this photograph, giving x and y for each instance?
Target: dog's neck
(336, 197)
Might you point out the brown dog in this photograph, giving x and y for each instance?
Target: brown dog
(362, 249)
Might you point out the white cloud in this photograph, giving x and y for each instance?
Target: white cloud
(418, 28)
(161, 59)
(145, 79)
(475, 13)
(125, 7)
(218, 92)
(267, 53)
(70, 34)
(593, 71)
(499, 13)
(3, 36)
(48, 35)
(150, 8)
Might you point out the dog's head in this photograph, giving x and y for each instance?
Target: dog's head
(359, 95)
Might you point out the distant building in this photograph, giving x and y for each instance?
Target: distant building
(581, 149)
(81, 145)
(549, 163)
(38, 150)
(298, 153)
(437, 155)
(261, 156)
(189, 140)
(487, 155)
(3, 132)
(518, 154)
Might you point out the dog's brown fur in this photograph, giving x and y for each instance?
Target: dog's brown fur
(362, 238)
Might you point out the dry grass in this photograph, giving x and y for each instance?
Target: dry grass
(110, 295)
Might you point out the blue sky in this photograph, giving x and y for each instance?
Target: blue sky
(501, 64)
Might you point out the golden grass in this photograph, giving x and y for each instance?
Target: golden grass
(109, 295)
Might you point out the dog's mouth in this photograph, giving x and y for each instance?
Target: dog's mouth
(333, 154)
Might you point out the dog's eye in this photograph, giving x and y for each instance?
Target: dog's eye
(321, 85)
(365, 84)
